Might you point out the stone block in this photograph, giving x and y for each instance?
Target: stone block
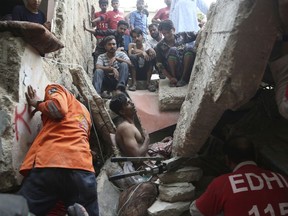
(108, 195)
(177, 192)
(171, 98)
(186, 174)
(160, 208)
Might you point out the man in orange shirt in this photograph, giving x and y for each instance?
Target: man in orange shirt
(58, 165)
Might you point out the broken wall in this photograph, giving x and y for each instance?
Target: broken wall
(21, 65)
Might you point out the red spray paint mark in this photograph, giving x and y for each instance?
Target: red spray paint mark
(19, 118)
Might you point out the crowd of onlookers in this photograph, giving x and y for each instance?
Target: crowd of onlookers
(129, 46)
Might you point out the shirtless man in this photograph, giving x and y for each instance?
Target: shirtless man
(130, 140)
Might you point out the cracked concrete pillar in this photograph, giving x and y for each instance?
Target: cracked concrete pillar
(231, 58)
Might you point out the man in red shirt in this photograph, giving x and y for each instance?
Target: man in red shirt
(114, 16)
(162, 14)
(248, 190)
(58, 165)
(100, 24)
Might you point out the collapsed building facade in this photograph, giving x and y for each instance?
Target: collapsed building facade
(233, 52)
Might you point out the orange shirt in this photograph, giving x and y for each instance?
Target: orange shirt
(63, 142)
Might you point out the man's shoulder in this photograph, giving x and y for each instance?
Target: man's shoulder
(121, 54)
(103, 56)
(162, 10)
(134, 12)
(100, 13)
(124, 126)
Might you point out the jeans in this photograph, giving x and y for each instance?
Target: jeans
(44, 187)
(100, 77)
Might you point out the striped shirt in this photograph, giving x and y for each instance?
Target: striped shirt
(104, 60)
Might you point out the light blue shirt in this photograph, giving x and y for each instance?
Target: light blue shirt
(139, 20)
(183, 14)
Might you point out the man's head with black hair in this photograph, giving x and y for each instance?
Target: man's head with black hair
(153, 29)
(166, 25)
(110, 44)
(108, 38)
(137, 35)
(168, 2)
(117, 103)
(239, 149)
(122, 106)
(123, 22)
(140, 5)
(115, 4)
(103, 4)
(122, 26)
(137, 31)
(167, 29)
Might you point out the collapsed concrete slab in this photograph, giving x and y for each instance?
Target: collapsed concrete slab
(231, 57)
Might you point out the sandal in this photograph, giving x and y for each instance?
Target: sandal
(132, 87)
(151, 88)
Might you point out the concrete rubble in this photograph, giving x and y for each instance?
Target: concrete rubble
(176, 191)
(185, 174)
(170, 98)
(160, 208)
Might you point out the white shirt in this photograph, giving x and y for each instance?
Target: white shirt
(183, 14)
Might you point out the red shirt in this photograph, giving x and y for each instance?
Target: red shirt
(249, 190)
(162, 14)
(63, 142)
(112, 18)
(103, 24)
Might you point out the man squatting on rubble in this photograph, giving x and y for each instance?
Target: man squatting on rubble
(58, 165)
